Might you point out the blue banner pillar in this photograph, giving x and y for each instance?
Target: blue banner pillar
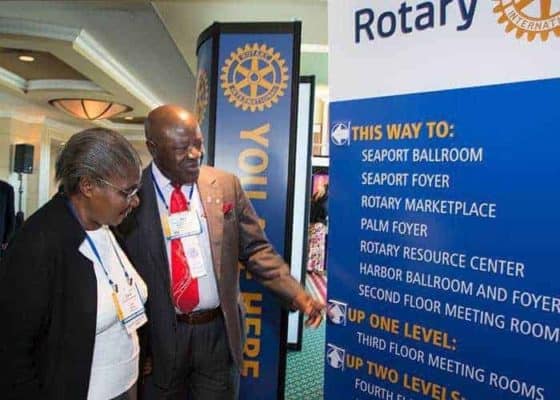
(250, 130)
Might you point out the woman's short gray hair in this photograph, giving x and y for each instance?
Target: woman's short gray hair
(96, 153)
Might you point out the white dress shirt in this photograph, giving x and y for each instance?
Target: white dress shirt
(207, 287)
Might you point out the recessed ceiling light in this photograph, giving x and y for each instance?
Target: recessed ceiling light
(129, 118)
(26, 58)
(314, 48)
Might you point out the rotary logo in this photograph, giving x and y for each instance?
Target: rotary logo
(202, 95)
(529, 17)
(254, 77)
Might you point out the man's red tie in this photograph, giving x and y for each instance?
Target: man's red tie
(184, 287)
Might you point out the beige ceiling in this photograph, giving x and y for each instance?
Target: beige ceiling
(135, 52)
(186, 19)
(44, 66)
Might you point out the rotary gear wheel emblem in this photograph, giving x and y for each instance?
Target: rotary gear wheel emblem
(254, 77)
(202, 95)
(529, 17)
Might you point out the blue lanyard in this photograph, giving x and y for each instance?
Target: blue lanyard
(160, 193)
(96, 253)
(94, 248)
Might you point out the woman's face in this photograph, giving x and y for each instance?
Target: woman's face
(114, 198)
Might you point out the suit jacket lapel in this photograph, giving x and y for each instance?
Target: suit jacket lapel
(211, 197)
(148, 215)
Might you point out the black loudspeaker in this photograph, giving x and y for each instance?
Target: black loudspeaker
(23, 159)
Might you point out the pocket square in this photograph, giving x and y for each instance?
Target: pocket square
(227, 208)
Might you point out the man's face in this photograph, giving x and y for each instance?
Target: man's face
(177, 151)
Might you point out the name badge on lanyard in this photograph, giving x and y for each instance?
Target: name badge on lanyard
(194, 256)
(130, 309)
(127, 301)
(181, 224)
(126, 298)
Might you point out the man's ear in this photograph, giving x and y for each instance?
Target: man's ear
(151, 148)
(86, 186)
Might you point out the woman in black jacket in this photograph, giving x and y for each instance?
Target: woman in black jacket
(65, 283)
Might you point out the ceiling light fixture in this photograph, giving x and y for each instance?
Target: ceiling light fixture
(90, 109)
(314, 48)
(26, 58)
(129, 118)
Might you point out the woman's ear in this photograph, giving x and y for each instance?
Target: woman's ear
(86, 186)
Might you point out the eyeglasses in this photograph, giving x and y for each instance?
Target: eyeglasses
(127, 194)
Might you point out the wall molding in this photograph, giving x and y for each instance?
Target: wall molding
(21, 117)
(63, 84)
(84, 44)
(12, 80)
(122, 128)
(41, 119)
(26, 27)
(95, 53)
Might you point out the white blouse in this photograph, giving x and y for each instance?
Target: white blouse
(114, 367)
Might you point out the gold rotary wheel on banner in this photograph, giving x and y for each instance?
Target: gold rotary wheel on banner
(202, 95)
(254, 77)
(531, 17)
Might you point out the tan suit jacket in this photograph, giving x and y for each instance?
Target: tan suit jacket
(235, 235)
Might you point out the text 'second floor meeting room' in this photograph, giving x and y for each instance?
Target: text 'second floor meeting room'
(279, 199)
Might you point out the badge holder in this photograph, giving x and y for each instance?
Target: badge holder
(181, 224)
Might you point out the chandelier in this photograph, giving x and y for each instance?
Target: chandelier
(89, 109)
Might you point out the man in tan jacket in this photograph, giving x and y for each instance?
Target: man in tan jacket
(193, 226)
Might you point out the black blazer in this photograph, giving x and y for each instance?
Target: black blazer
(7, 216)
(143, 239)
(48, 308)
